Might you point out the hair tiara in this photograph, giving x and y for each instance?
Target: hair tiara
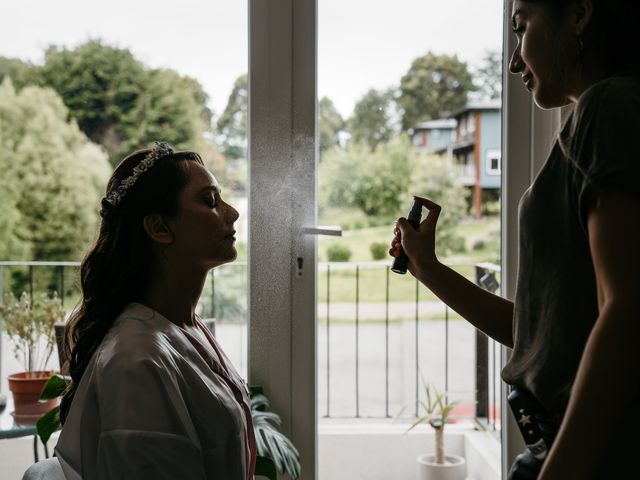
(159, 150)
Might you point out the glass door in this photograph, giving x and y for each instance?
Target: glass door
(409, 103)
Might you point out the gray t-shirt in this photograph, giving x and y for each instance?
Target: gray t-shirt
(556, 300)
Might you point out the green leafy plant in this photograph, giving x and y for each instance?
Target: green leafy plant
(379, 250)
(28, 323)
(437, 411)
(270, 441)
(338, 253)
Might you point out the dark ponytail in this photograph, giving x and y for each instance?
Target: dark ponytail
(118, 267)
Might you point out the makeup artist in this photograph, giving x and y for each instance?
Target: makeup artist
(574, 325)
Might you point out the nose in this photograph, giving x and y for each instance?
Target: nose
(516, 65)
(232, 214)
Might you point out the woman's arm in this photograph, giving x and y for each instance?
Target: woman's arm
(607, 378)
(488, 312)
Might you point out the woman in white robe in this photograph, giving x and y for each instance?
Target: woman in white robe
(153, 396)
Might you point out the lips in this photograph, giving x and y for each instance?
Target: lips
(231, 236)
(528, 81)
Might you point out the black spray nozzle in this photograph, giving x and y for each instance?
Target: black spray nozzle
(401, 262)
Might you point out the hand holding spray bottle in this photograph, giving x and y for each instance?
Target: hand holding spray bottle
(401, 260)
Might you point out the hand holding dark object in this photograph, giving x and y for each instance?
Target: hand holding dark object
(418, 244)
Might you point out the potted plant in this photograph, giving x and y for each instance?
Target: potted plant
(30, 326)
(437, 413)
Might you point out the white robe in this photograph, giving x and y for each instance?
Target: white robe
(149, 406)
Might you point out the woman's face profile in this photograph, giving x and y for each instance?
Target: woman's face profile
(203, 229)
(536, 56)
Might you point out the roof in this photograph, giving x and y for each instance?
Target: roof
(479, 106)
(436, 124)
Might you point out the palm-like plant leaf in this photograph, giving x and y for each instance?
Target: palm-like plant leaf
(270, 442)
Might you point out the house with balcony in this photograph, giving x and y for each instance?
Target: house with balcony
(434, 136)
(471, 143)
(475, 151)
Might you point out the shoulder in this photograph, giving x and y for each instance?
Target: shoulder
(614, 94)
(139, 342)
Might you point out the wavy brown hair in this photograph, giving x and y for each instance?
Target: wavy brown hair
(119, 265)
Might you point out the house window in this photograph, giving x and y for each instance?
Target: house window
(493, 159)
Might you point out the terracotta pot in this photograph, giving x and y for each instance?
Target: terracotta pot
(26, 388)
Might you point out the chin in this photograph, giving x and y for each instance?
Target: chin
(547, 100)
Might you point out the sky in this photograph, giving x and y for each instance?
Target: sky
(362, 44)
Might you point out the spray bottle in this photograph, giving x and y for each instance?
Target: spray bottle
(401, 260)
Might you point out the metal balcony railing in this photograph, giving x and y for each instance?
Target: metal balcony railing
(225, 298)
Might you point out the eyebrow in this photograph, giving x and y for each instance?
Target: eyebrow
(210, 187)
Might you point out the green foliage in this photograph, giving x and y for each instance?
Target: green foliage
(488, 75)
(374, 182)
(373, 120)
(330, 124)
(29, 323)
(270, 442)
(119, 103)
(479, 244)
(432, 178)
(21, 73)
(232, 124)
(338, 253)
(434, 87)
(379, 250)
(53, 177)
(167, 110)
(101, 86)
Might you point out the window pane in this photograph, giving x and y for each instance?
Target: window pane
(84, 83)
(409, 103)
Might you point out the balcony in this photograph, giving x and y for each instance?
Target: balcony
(372, 349)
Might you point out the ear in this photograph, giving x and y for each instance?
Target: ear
(581, 15)
(157, 229)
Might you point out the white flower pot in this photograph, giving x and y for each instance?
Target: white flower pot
(453, 468)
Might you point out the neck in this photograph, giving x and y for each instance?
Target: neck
(591, 73)
(174, 291)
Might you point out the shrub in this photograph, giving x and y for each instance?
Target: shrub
(456, 244)
(338, 253)
(378, 250)
(479, 244)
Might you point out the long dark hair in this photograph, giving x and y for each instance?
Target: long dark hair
(613, 28)
(118, 266)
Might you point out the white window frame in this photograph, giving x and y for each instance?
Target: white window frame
(282, 200)
(492, 154)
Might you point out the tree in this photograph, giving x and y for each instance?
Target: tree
(21, 73)
(330, 125)
(167, 110)
(233, 123)
(434, 87)
(122, 105)
(101, 86)
(57, 176)
(371, 181)
(372, 122)
(488, 76)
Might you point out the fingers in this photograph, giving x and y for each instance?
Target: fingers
(434, 213)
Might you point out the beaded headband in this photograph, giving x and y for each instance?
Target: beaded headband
(159, 150)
